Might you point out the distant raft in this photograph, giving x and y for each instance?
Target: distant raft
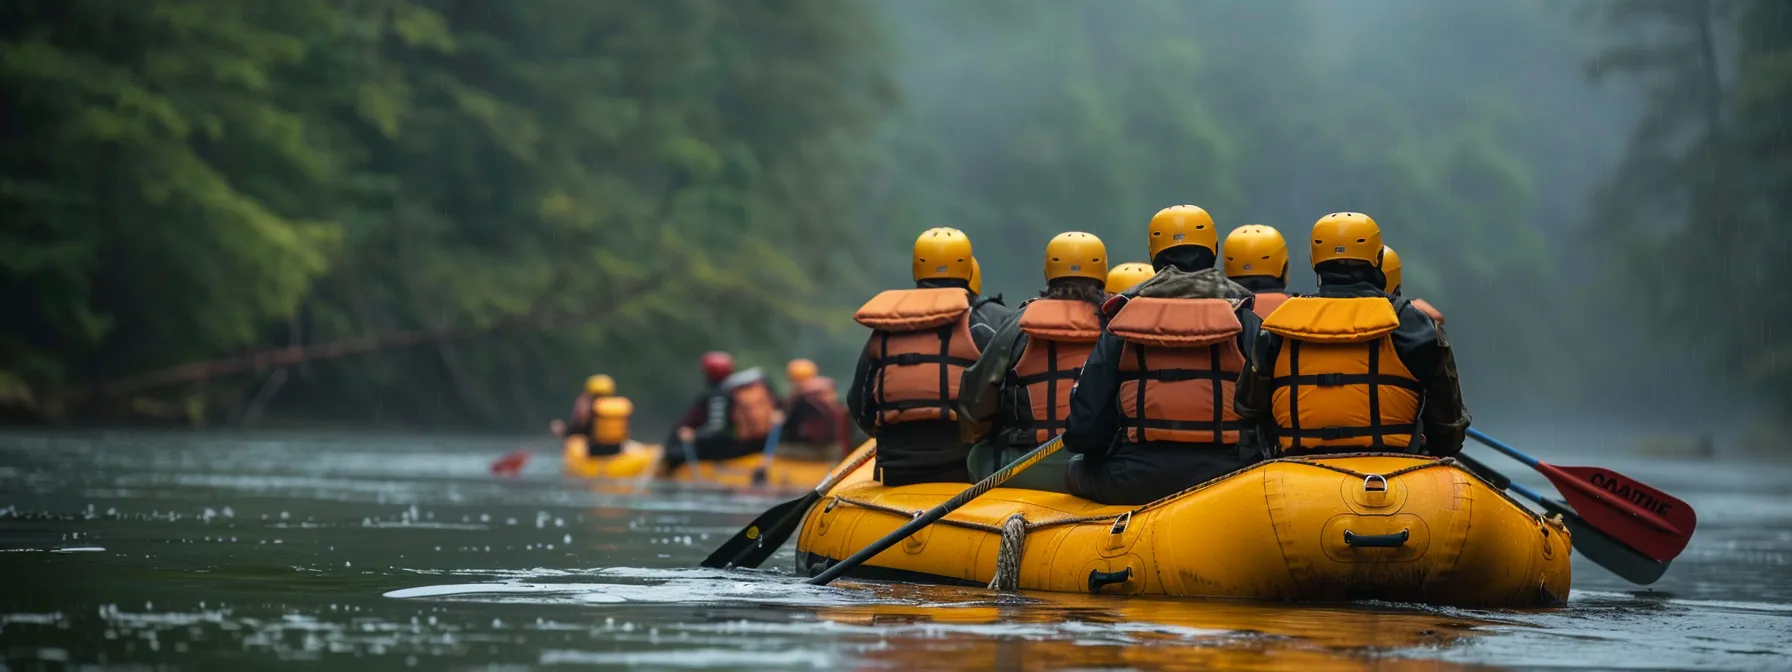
(637, 460)
(1352, 527)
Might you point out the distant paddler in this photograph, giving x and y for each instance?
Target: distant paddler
(814, 418)
(1257, 259)
(731, 417)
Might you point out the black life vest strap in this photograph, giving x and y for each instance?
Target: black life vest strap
(1218, 425)
(1341, 379)
(1294, 377)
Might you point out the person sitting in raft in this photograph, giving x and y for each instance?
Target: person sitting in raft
(1017, 395)
(814, 420)
(1352, 369)
(1152, 413)
(1125, 276)
(1390, 267)
(905, 386)
(732, 417)
(1257, 259)
(600, 416)
(991, 306)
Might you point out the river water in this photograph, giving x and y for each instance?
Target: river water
(275, 551)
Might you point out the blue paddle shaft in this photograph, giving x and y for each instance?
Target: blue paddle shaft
(1498, 445)
(771, 440)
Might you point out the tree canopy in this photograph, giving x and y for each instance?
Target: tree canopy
(528, 192)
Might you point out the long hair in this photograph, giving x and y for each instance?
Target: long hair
(1088, 290)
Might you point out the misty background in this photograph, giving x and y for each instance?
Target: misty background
(447, 213)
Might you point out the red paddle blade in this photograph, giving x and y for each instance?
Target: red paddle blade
(1649, 520)
(510, 463)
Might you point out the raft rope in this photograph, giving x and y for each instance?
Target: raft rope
(1014, 540)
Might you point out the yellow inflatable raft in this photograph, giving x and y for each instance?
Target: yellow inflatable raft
(1385, 527)
(636, 460)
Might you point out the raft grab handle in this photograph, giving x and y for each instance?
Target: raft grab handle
(1098, 578)
(1355, 540)
(1119, 526)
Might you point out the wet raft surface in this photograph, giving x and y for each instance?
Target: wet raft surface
(289, 551)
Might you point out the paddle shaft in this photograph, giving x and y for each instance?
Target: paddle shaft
(995, 480)
(1564, 480)
(1498, 445)
(774, 535)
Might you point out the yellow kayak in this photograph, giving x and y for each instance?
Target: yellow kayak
(1347, 527)
(636, 460)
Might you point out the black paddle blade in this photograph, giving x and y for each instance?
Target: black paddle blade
(1606, 551)
(755, 536)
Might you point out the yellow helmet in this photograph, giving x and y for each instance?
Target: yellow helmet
(1346, 235)
(600, 385)
(976, 276)
(799, 370)
(1075, 254)
(1390, 266)
(1255, 249)
(943, 253)
(1125, 276)
(1180, 225)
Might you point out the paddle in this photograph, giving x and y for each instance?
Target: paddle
(771, 446)
(995, 480)
(761, 538)
(1646, 519)
(1601, 548)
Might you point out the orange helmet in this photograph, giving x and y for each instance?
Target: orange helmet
(1346, 235)
(799, 370)
(1180, 225)
(1076, 254)
(1255, 249)
(1125, 276)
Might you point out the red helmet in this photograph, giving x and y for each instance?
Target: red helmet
(717, 365)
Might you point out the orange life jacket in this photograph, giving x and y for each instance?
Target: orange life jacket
(751, 408)
(1428, 310)
(1338, 382)
(1178, 369)
(920, 345)
(609, 423)
(1267, 302)
(1060, 334)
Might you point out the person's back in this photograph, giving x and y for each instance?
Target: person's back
(814, 424)
(1257, 259)
(1352, 369)
(905, 386)
(1017, 395)
(1152, 414)
(732, 417)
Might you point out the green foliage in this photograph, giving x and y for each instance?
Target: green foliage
(1703, 186)
(191, 179)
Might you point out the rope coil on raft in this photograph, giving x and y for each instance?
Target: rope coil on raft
(1014, 540)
